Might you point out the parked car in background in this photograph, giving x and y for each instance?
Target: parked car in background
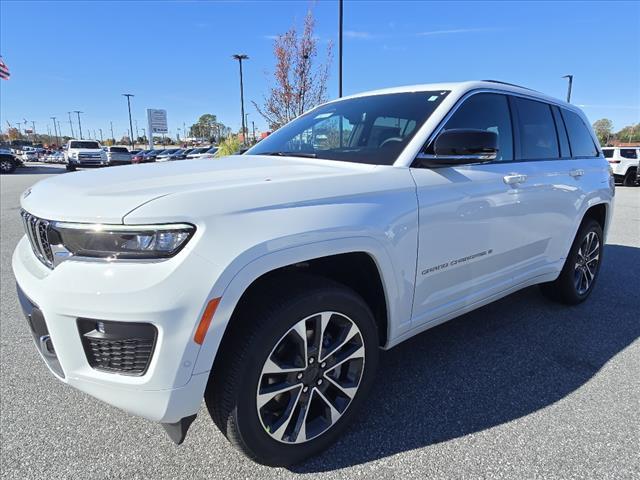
(8, 161)
(118, 156)
(30, 155)
(134, 152)
(150, 155)
(210, 153)
(54, 157)
(196, 152)
(269, 285)
(624, 163)
(180, 154)
(85, 153)
(165, 154)
(139, 156)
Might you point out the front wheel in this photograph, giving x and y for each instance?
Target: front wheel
(71, 168)
(293, 372)
(581, 268)
(7, 166)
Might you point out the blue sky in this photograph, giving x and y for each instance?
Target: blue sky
(177, 55)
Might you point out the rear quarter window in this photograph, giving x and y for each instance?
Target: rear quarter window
(608, 153)
(628, 153)
(582, 144)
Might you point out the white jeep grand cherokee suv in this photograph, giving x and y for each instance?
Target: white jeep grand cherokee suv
(624, 163)
(266, 283)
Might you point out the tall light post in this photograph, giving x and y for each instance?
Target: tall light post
(71, 125)
(131, 142)
(112, 136)
(55, 129)
(33, 125)
(340, 49)
(240, 57)
(569, 86)
(246, 122)
(78, 112)
(101, 139)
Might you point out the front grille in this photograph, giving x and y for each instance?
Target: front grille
(37, 233)
(90, 158)
(118, 347)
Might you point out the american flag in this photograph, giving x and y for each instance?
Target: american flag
(4, 70)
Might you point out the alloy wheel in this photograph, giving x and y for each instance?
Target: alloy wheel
(587, 263)
(310, 377)
(6, 166)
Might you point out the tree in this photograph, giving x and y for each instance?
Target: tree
(629, 134)
(228, 147)
(13, 133)
(604, 130)
(299, 84)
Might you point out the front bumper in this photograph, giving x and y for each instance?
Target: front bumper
(169, 294)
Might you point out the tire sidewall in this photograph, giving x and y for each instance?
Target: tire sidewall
(586, 228)
(245, 414)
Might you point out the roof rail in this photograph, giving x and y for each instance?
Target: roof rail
(510, 84)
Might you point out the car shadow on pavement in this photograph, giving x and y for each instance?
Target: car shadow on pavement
(39, 170)
(488, 367)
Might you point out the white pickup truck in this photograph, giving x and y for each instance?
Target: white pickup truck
(267, 283)
(85, 153)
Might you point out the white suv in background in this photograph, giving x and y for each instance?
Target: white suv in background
(624, 163)
(267, 283)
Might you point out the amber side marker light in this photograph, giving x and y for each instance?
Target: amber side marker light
(205, 321)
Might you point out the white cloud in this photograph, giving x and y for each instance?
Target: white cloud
(454, 31)
(358, 35)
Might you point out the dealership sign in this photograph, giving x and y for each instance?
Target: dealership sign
(157, 120)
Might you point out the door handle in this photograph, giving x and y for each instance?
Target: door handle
(514, 179)
(576, 172)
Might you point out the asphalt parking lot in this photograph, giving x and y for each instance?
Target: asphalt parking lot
(522, 388)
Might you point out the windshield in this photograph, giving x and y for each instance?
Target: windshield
(373, 129)
(119, 150)
(212, 150)
(94, 145)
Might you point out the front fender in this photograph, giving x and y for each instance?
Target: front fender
(240, 274)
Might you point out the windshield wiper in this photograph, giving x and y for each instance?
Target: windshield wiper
(290, 154)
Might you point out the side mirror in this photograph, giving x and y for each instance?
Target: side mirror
(462, 146)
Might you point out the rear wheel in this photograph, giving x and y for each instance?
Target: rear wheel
(581, 268)
(71, 168)
(294, 370)
(630, 178)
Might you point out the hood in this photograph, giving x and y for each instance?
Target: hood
(107, 195)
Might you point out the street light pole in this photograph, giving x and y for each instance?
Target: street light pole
(246, 122)
(340, 49)
(55, 129)
(240, 57)
(101, 139)
(570, 78)
(253, 125)
(79, 124)
(71, 125)
(131, 142)
(112, 137)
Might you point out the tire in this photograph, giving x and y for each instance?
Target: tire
(7, 166)
(579, 274)
(630, 178)
(266, 328)
(71, 168)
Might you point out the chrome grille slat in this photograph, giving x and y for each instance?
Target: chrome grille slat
(36, 230)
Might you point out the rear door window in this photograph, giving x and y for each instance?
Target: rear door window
(628, 153)
(538, 138)
(608, 153)
(581, 142)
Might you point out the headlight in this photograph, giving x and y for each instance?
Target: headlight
(121, 241)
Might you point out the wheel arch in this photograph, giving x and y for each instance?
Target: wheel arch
(317, 258)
